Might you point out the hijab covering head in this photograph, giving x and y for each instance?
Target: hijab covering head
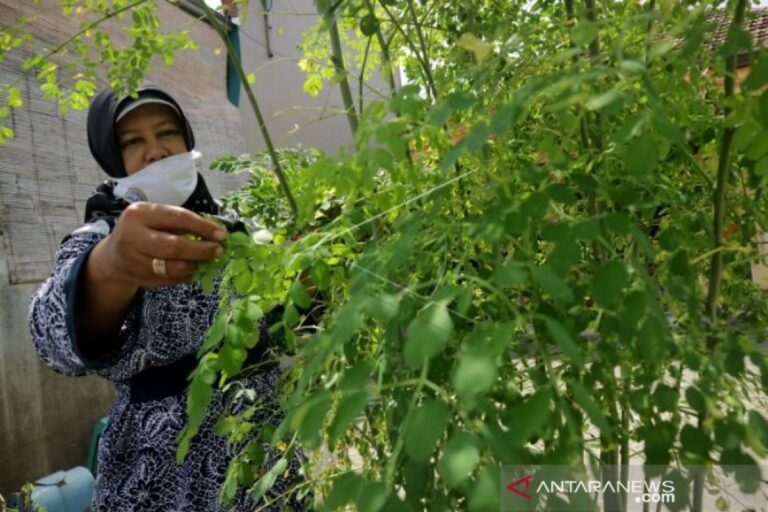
(106, 109)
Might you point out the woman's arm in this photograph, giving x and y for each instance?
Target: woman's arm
(120, 264)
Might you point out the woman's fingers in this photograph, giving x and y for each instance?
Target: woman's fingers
(162, 217)
(152, 230)
(158, 244)
(146, 232)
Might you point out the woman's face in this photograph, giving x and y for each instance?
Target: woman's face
(147, 134)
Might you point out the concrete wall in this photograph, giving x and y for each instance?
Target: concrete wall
(292, 116)
(46, 174)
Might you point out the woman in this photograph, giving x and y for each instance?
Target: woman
(121, 303)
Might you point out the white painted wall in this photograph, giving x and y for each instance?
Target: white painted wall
(292, 116)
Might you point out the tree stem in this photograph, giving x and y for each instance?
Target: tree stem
(276, 167)
(384, 46)
(723, 166)
(424, 65)
(716, 262)
(361, 78)
(424, 50)
(337, 57)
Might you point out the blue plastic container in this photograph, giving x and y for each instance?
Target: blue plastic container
(64, 491)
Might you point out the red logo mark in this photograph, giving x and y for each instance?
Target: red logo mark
(525, 480)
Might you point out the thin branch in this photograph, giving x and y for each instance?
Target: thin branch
(93, 24)
(235, 60)
(716, 264)
(723, 166)
(362, 74)
(384, 46)
(424, 49)
(422, 63)
(337, 57)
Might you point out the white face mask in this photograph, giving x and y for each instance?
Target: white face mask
(170, 180)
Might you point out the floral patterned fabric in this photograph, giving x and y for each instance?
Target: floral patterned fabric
(137, 452)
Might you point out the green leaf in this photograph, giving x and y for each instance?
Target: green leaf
(476, 138)
(383, 306)
(658, 438)
(350, 407)
(214, 334)
(535, 206)
(721, 504)
(460, 100)
(451, 157)
(460, 456)
(309, 418)
(347, 322)
(509, 275)
(299, 295)
(632, 66)
(618, 223)
(758, 75)
(562, 193)
(695, 399)
(641, 156)
(531, 416)
(14, 97)
(661, 48)
(428, 334)
(267, 481)
(583, 397)
(440, 115)
(425, 429)
(484, 496)
(355, 378)
(665, 398)
(609, 282)
(234, 335)
(758, 147)
(504, 119)
(231, 359)
(729, 433)
(584, 33)
(253, 312)
(759, 426)
(407, 100)
(475, 372)
(585, 230)
(551, 284)
(346, 489)
(762, 111)
(243, 281)
(564, 341)
(373, 497)
(604, 100)
(696, 441)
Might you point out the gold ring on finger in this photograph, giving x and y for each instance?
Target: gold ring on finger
(159, 268)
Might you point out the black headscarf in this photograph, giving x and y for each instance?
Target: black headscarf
(102, 140)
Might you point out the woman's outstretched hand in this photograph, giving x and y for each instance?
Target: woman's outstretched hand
(145, 232)
(123, 262)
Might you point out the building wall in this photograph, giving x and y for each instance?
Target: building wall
(292, 116)
(46, 174)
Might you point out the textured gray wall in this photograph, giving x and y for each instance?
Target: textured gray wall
(46, 174)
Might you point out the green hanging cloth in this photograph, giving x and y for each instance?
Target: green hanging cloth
(233, 80)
